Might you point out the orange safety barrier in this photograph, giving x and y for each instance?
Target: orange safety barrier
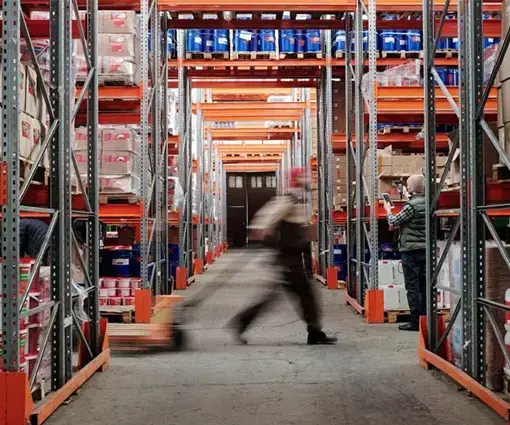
(332, 278)
(143, 305)
(198, 266)
(374, 306)
(181, 281)
(17, 406)
(442, 361)
(209, 258)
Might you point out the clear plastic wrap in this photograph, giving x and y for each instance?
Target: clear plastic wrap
(490, 55)
(407, 74)
(112, 162)
(175, 193)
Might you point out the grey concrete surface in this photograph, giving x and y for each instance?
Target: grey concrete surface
(370, 377)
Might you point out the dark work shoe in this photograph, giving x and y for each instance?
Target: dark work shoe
(413, 327)
(237, 331)
(320, 338)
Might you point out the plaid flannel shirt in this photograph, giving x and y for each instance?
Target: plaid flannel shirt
(406, 214)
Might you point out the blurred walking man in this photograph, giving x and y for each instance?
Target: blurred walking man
(284, 223)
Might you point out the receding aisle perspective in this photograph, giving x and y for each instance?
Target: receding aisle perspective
(370, 377)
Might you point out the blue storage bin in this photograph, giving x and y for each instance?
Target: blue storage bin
(339, 41)
(442, 44)
(208, 40)
(171, 41)
(453, 77)
(243, 41)
(443, 74)
(401, 40)
(134, 264)
(194, 41)
(339, 253)
(121, 257)
(452, 43)
(388, 41)
(414, 43)
(220, 41)
(313, 41)
(300, 37)
(266, 41)
(490, 41)
(173, 253)
(287, 41)
(342, 271)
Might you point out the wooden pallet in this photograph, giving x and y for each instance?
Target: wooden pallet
(123, 313)
(397, 316)
(118, 198)
(253, 55)
(500, 172)
(318, 55)
(207, 55)
(116, 80)
(447, 53)
(40, 176)
(389, 129)
(402, 54)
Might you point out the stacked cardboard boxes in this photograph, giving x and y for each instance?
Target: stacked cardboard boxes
(118, 48)
(340, 185)
(119, 159)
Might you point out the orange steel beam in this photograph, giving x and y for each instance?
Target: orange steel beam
(245, 149)
(250, 168)
(416, 92)
(239, 160)
(248, 63)
(268, 5)
(226, 84)
(249, 106)
(405, 141)
(299, 6)
(255, 133)
(258, 116)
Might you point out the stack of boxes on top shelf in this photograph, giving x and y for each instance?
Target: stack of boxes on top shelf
(34, 118)
(32, 329)
(118, 49)
(340, 160)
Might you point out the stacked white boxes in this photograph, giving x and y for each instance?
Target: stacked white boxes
(118, 48)
(119, 159)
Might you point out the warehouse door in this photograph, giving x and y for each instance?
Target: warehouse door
(236, 209)
(246, 194)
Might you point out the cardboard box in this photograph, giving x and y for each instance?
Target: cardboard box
(117, 22)
(25, 139)
(120, 139)
(124, 68)
(117, 45)
(22, 80)
(36, 139)
(31, 93)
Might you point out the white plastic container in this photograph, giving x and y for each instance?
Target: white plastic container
(507, 344)
(103, 292)
(124, 283)
(110, 282)
(391, 301)
(125, 292)
(112, 292)
(385, 273)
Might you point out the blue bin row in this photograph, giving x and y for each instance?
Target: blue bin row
(171, 42)
(449, 76)
(124, 261)
(401, 40)
(246, 41)
(207, 41)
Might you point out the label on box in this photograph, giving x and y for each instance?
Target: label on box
(25, 128)
(36, 136)
(120, 261)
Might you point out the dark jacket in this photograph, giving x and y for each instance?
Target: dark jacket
(412, 233)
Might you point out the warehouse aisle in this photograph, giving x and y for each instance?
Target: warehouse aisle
(370, 377)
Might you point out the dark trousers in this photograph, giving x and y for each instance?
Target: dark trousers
(297, 285)
(413, 263)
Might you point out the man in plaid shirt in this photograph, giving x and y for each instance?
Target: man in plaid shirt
(411, 221)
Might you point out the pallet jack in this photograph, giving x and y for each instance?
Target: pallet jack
(172, 313)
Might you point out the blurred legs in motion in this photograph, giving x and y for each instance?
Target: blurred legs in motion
(297, 284)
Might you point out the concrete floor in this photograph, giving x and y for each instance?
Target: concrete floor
(370, 377)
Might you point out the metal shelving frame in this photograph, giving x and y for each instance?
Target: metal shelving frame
(325, 172)
(62, 108)
(362, 228)
(471, 219)
(154, 155)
